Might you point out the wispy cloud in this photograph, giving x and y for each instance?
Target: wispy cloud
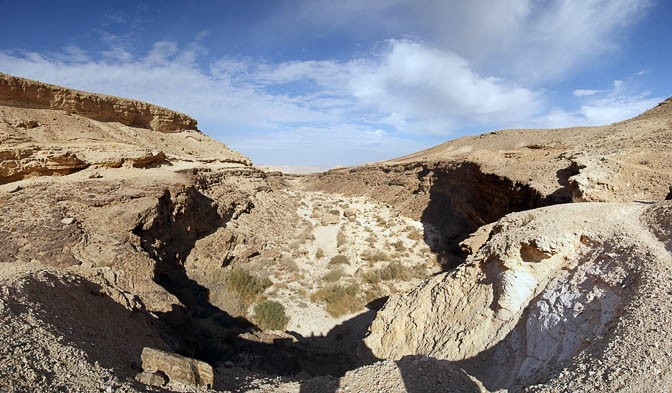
(530, 39)
(585, 92)
(600, 107)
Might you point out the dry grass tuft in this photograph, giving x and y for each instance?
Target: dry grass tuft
(339, 260)
(340, 300)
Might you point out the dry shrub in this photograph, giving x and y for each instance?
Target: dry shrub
(415, 235)
(340, 300)
(375, 256)
(333, 275)
(339, 260)
(287, 264)
(393, 271)
(228, 301)
(399, 246)
(319, 253)
(270, 315)
(340, 237)
(335, 212)
(246, 285)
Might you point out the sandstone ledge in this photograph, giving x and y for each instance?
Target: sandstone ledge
(27, 93)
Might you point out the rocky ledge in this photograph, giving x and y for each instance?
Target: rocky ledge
(32, 94)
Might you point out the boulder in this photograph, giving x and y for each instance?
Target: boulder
(350, 212)
(156, 364)
(329, 219)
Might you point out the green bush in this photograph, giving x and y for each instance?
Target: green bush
(339, 260)
(248, 286)
(340, 299)
(270, 315)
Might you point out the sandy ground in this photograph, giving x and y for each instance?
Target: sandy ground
(371, 228)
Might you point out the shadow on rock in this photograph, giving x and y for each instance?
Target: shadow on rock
(90, 320)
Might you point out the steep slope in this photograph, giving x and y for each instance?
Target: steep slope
(549, 286)
(107, 198)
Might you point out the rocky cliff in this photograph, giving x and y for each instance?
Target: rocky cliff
(20, 92)
(51, 130)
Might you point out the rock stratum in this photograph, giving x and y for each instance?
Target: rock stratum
(51, 130)
(124, 229)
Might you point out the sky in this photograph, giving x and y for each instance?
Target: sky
(325, 83)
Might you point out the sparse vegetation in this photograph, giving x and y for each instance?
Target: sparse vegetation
(270, 315)
(333, 275)
(335, 212)
(399, 246)
(250, 288)
(340, 300)
(340, 237)
(393, 271)
(415, 235)
(339, 260)
(319, 253)
(375, 256)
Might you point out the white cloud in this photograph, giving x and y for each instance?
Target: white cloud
(529, 39)
(423, 82)
(584, 92)
(617, 108)
(600, 107)
(321, 112)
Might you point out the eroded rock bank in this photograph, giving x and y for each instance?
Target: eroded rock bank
(550, 286)
(451, 199)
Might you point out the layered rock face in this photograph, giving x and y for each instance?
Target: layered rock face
(452, 198)
(175, 368)
(30, 94)
(50, 130)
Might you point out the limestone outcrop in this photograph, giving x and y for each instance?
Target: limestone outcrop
(47, 130)
(31, 94)
(548, 284)
(176, 368)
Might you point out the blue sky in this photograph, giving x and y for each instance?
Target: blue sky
(326, 83)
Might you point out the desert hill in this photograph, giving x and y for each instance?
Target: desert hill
(141, 255)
